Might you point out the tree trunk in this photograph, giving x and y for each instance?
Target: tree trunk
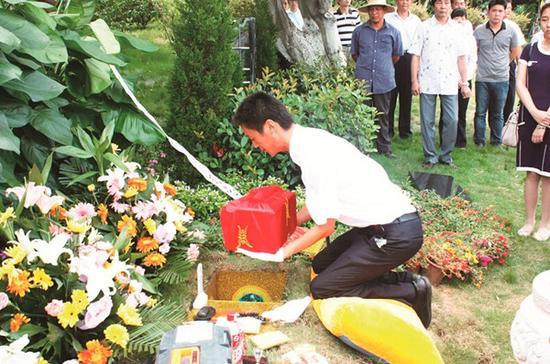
(318, 42)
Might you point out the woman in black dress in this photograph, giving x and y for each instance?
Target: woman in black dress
(533, 153)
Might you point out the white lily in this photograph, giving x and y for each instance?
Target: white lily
(45, 203)
(14, 354)
(32, 193)
(24, 241)
(49, 252)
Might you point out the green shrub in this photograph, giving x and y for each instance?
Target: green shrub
(420, 11)
(523, 20)
(242, 8)
(205, 71)
(475, 16)
(330, 99)
(126, 14)
(266, 36)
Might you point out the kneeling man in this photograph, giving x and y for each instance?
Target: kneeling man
(343, 185)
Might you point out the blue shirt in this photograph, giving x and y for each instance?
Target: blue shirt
(374, 50)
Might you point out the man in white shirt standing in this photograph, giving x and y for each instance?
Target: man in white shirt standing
(406, 22)
(347, 19)
(437, 68)
(344, 185)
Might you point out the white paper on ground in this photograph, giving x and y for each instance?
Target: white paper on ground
(289, 312)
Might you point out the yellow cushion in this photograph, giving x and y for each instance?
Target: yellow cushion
(386, 328)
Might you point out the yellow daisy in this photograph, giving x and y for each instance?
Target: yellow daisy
(150, 225)
(41, 279)
(129, 315)
(117, 334)
(6, 216)
(69, 315)
(80, 299)
(17, 253)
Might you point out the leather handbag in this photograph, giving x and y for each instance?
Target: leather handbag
(510, 130)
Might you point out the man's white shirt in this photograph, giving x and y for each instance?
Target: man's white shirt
(407, 27)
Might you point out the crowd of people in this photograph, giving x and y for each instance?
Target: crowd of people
(398, 56)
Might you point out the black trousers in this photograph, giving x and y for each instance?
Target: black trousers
(461, 125)
(382, 103)
(354, 266)
(403, 90)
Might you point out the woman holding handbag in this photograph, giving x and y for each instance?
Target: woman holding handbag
(533, 153)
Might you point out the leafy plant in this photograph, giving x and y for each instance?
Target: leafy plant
(330, 99)
(54, 77)
(126, 14)
(205, 71)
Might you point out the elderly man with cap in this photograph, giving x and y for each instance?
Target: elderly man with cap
(376, 46)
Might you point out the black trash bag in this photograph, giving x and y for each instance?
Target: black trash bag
(440, 183)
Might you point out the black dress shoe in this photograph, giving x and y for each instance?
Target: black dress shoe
(422, 303)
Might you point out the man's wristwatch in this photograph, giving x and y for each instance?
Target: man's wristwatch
(462, 84)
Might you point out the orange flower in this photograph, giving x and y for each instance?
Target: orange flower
(154, 260)
(17, 321)
(169, 189)
(95, 353)
(59, 212)
(19, 284)
(103, 212)
(146, 244)
(191, 212)
(138, 183)
(128, 223)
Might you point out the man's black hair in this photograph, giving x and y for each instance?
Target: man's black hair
(255, 109)
(496, 2)
(459, 12)
(432, 3)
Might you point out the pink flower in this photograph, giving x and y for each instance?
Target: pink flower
(162, 154)
(165, 233)
(193, 252)
(97, 313)
(54, 308)
(32, 193)
(45, 203)
(56, 229)
(485, 260)
(4, 300)
(119, 208)
(82, 211)
(139, 270)
(115, 180)
(164, 248)
(144, 210)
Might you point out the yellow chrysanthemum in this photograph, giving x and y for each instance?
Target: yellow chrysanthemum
(180, 228)
(6, 216)
(41, 279)
(19, 283)
(117, 334)
(80, 299)
(91, 187)
(77, 228)
(7, 269)
(152, 302)
(42, 361)
(131, 192)
(17, 253)
(129, 223)
(154, 260)
(69, 315)
(150, 225)
(129, 315)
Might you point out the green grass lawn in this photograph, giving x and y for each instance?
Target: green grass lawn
(470, 325)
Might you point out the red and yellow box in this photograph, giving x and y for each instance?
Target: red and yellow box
(261, 221)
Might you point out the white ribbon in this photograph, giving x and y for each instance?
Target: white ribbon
(206, 173)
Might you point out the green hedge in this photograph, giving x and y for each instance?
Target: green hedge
(126, 14)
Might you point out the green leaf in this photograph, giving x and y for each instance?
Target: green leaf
(55, 333)
(35, 175)
(122, 240)
(28, 33)
(73, 152)
(99, 74)
(54, 52)
(28, 329)
(82, 177)
(52, 124)
(83, 11)
(89, 47)
(8, 160)
(147, 285)
(47, 167)
(18, 115)
(137, 43)
(33, 151)
(105, 37)
(37, 16)
(37, 85)
(8, 140)
(24, 61)
(8, 71)
(134, 126)
(107, 134)
(8, 40)
(78, 81)
(115, 160)
(85, 140)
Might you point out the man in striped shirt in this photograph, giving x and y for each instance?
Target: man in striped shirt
(347, 19)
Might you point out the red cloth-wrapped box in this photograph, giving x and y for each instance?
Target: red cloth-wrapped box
(261, 221)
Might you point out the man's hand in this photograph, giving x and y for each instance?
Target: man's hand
(465, 91)
(267, 257)
(415, 88)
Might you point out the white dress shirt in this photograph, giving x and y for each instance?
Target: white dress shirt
(439, 46)
(471, 48)
(407, 27)
(296, 18)
(342, 183)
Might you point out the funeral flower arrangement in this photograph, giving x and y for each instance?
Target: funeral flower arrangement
(77, 279)
(459, 239)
